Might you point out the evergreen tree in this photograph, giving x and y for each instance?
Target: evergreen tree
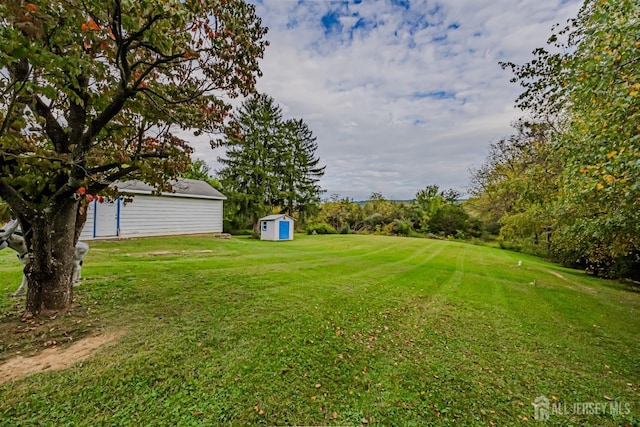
(270, 164)
(301, 171)
(248, 177)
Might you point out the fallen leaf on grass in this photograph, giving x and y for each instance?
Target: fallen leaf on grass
(334, 415)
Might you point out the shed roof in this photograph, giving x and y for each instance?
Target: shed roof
(275, 217)
(182, 187)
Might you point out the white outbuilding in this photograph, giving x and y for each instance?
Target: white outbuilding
(193, 207)
(277, 227)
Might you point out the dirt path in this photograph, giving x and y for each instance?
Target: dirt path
(53, 359)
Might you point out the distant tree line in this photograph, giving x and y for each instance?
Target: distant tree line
(432, 213)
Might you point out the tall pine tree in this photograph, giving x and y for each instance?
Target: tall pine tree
(270, 164)
(301, 170)
(247, 176)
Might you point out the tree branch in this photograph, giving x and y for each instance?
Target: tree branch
(78, 112)
(15, 200)
(52, 128)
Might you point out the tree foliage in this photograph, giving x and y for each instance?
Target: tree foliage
(300, 169)
(440, 212)
(199, 170)
(247, 175)
(588, 79)
(95, 91)
(340, 213)
(518, 186)
(270, 164)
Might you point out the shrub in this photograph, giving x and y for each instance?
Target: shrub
(398, 228)
(345, 229)
(321, 228)
(510, 245)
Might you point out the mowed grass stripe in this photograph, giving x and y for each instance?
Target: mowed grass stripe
(395, 331)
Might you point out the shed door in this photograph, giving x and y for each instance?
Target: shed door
(106, 219)
(283, 230)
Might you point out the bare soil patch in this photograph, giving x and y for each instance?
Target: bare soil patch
(55, 358)
(558, 275)
(574, 284)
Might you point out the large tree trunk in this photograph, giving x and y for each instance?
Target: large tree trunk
(51, 240)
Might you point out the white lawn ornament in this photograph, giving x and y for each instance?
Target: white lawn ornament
(9, 238)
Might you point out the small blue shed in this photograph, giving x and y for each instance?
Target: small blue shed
(277, 227)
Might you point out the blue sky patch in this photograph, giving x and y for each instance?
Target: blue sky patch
(331, 22)
(435, 10)
(402, 3)
(440, 94)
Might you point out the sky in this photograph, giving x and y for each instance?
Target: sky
(400, 94)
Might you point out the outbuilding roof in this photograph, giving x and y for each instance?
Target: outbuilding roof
(182, 187)
(275, 217)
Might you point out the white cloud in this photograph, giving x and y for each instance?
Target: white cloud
(400, 98)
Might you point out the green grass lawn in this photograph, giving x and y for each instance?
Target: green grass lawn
(327, 330)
